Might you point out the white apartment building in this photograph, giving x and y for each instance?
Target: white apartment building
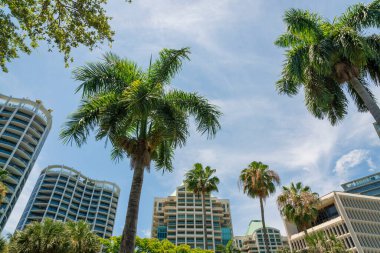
(63, 193)
(24, 126)
(352, 218)
(179, 219)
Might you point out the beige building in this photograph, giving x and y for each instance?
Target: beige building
(352, 218)
(253, 240)
(179, 219)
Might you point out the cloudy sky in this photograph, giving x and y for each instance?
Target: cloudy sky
(233, 63)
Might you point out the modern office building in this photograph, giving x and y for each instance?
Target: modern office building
(369, 185)
(179, 219)
(24, 126)
(62, 193)
(253, 240)
(352, 218)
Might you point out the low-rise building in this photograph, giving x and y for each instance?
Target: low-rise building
(253, 240)
(352, 218)
(179, 219)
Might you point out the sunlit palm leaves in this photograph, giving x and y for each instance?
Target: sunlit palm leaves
(298, 204)
(324, 57)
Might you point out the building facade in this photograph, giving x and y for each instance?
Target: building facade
(352, 218)
(179, 218)
(62, 193)
(24, 126)
(253, 240)
(369, 185)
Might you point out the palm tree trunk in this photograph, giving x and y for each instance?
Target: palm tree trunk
(266, 239)
(204, 220)
(130, 228)
(368, 100)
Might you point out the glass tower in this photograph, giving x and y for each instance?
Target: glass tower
(62, 193)
(24, 126)
(369, 185)
(179, 218)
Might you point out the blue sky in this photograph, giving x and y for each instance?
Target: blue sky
(233, 63)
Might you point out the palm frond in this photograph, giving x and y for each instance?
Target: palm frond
(167, 65)
(206, 115)
(304, 24)
(85, 119)
(361, 16)
(112, 74)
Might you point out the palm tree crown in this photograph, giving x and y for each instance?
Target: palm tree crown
(258, 181)
(142, 117)
(199, 180)
(324, 57)
(298, 204)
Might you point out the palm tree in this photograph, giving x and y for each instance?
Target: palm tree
(298, 204)
(82, 239)
(40, 237)
(3, 187)
(142, 118)
(324, 57)
(201, 181)
(318, 242)
(258, 181)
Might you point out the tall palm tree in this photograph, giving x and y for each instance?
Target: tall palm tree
(258, 181)
(3, 187)
(140, 115)
(298, 204)
(324, 57)
(40, 237)
(201, 181)
(82, 239)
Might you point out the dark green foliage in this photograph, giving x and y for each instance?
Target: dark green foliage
(63, 24)
(325, 57)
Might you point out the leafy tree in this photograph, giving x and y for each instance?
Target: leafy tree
(150, 245)
(82, 239)
(142, 118)
(55, 237)
(229, 248)
(202, 181)
(298, 204)
(111, 245)
(324, 57)
(258, 181)
(62, 24)
(3, 187)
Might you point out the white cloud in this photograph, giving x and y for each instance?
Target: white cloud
(350, 160)
(146, 233)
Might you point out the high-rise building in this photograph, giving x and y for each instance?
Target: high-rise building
(253, 240)
(369, 185)
(62, 193)
(179, 218)
(352, 218)
(24, 126)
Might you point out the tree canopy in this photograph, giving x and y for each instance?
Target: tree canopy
(62, 24)
(51, 236)
(149, 245)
